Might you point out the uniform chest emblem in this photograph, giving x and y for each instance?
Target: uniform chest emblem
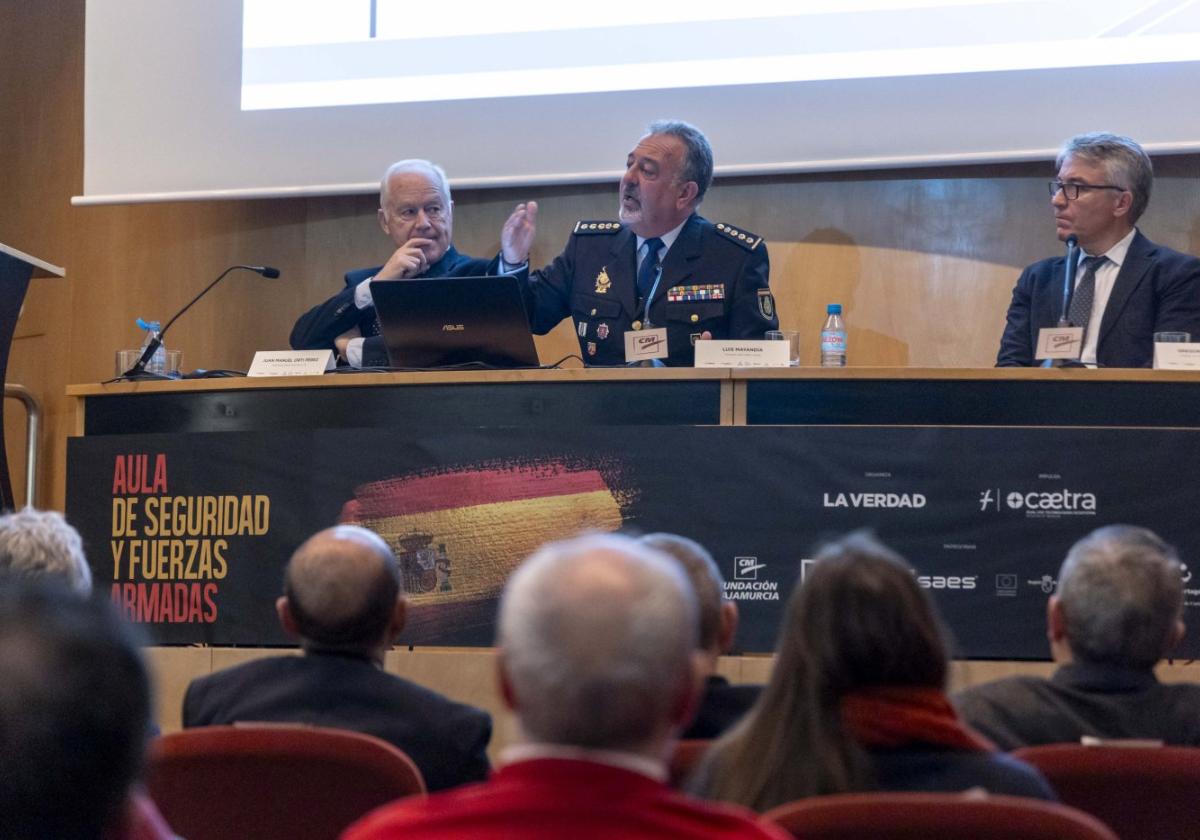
(603, 281)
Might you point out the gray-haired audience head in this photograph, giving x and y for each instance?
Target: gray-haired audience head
(596, 638)
(74, 712)
(38, 544)
(717, 616)
(429, 170)
(698, 160)
(1126, 163)
(1120, 595)
(342, 592)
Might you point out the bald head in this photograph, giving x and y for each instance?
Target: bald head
(597, 636)
(341, 588)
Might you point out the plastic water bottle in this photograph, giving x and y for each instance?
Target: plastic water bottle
(158, 362)
(833, 337)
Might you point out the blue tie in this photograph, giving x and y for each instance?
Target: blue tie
(649, 267)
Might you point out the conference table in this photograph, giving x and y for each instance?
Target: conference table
(192, 494)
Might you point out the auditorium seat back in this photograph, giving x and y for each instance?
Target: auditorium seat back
(273, 781)
(1137, 791)
(943, 816)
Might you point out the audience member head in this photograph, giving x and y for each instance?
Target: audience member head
(858, 621)
(38, 544)
(414, 203)
(1119, 599)
(342, 593)
(597, 637)
(718, 616)
(74, 712)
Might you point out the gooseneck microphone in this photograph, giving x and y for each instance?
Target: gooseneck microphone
(1069, 278)
(138, 371)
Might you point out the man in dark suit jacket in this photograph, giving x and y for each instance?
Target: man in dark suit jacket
(1135, 289)
(417, 214)
(343, 600)
(1118, 610)
(701, 281)
(722, 704)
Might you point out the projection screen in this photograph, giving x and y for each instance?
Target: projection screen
(192, 99)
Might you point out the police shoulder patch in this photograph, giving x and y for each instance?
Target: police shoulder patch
(582, 228)
(747, 240)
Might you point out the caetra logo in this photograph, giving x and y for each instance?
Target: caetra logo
(453, 327)
(1049, 504)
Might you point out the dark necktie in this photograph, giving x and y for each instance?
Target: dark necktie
(648, 270)
(1085, 293)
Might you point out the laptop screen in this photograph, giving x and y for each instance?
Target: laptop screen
(454, 321)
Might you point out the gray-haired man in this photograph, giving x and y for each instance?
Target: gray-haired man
(1117, 612)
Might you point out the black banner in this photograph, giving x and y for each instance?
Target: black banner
(192, 531)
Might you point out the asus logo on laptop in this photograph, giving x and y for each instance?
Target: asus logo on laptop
(452, 328)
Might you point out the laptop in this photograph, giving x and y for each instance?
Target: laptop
(454, 321)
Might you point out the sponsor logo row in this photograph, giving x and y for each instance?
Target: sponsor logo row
(1033, 503)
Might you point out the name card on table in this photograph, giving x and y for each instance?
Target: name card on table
(1170, 355)
(1059, 343)
(291, 363)
(743, 353)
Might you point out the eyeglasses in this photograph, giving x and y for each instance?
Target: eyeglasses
(1071, 191)
(433, 212)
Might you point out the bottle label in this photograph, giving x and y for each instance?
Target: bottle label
(833, 341)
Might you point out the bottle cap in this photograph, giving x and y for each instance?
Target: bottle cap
(833, 309)
(149, 326)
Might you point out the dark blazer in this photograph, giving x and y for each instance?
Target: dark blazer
(317, 328)
(721, 706)
(446, 740)
(714, 278)
(1104, 701)
(1157, 290)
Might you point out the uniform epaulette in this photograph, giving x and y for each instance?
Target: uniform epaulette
(747, 240)
(597, 227)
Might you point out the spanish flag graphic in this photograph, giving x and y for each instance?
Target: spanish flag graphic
(459, 533)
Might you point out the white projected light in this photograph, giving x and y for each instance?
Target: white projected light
(189, 99)
(313, 53)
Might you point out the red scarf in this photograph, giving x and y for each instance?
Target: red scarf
(896, 716)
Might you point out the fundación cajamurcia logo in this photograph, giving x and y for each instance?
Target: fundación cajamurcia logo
(747, 585)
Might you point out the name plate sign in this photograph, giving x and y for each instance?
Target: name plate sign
(742, 353)
(291, 363)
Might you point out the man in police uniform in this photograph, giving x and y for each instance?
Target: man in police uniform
(662, 265)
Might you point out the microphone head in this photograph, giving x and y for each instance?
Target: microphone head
(1072, 242)
(268, 272)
